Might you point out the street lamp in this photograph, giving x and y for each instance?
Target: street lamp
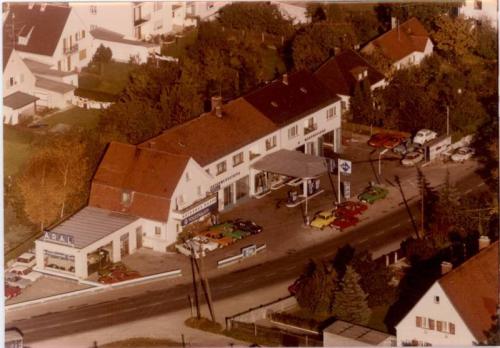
(379, 161)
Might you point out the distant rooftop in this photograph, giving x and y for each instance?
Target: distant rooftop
(112, 36)
(357, 332)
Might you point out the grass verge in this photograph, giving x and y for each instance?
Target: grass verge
(204, 324)
(85, 118)
(142, 342)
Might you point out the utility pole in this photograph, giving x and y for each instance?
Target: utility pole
(195, 286)
(423, 205)
(205, 285)
(447, 120)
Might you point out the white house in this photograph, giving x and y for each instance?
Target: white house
(343, 72)
(295, 10)
(481, 10)
(458, 308)
(64, 44)
(405, 44)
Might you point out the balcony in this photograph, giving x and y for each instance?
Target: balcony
(71, 49)
(310, 128)
(196, 209)
(141, 19)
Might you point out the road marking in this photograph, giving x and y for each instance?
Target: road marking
(481, 184)
(269, 275)
(248, 281)
(379, 233)
(226, 287)
(363, 240)
(396, 226)
(468, 191)
(290, 268)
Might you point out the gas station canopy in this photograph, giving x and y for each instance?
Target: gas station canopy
(292, 163)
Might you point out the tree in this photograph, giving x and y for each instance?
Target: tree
(454, 37)
(317, 42)
(361, 103)
(101, 56)
(350, 302)
(486, 40)
(429, 199)
(316, 290)
(379, 60)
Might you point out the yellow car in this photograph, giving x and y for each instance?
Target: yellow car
(323, 219)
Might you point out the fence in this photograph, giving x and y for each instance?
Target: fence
(369, 130)
(278, 336)
(245, 252)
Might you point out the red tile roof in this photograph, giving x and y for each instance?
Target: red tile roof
(46, 26)
(284, 103)
(397, 43)
(208, 137)
(150, 176)
(337, 73)
(473, 290)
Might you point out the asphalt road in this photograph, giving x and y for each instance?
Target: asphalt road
(393, 227)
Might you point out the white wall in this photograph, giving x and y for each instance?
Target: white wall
(444, 311)
(416, 57)
(53, 99)
(123, 52)
(24, 80)
(489, 10)
(115, 16)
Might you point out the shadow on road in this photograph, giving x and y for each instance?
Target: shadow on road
(413, 223)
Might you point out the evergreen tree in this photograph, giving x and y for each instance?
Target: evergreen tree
(350, 303)
(316, 290)
(430, 200)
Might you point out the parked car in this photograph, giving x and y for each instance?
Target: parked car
(247, 226)
(350, 208)
(323, 219)
(377, 140)
(26, 259)
(20, 282)
(12, 291)
(373, 194)
(203, 243)
(32, 276)
(412, 158)
(462, 154)
(217, 237)
(404, 147)
(20, 269)
(345, 221)
(393, 140)
(423, 136)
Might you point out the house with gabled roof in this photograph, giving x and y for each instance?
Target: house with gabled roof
(48, 33)
(346, 70)
(404, 45)
(458, 308)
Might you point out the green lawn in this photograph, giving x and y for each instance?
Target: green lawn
(272, 62)
(86, 118)
(178, 49)
(16, 147)
(111, 79)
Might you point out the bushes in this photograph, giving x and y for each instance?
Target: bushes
(291, 319)
(95, 95)
(204, 324)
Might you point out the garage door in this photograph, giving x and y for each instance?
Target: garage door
(44, 99)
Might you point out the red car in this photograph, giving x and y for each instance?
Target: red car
(392, 141)
(350, 208)
(345, 221)
(377, 140)
(292, 289)
(12, 291)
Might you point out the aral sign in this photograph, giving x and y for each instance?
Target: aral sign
(59, 238)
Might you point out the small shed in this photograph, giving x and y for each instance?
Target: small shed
(344, 334)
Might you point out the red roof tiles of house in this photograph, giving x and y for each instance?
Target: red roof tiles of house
(208, 137)
(149, 176)
(338, 73)
(472, 288)
(399, 42)
(42, 24)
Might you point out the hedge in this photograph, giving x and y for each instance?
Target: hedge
(95, 95)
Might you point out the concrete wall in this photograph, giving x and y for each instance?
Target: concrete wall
(444, 311)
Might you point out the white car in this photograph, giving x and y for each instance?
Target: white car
(412, 158)
(206, 244)
(26, 259)
(462, 154)
(423, 136)
(33, 276)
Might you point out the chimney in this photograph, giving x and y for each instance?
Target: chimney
(215, 102)
(285, 79)
(446, 267)
(484, 242)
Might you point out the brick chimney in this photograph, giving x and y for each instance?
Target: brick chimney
(484, 242)
(285, 79)
(216, 102)
(446, 267)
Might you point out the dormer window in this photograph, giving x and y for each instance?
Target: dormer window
(24, 35)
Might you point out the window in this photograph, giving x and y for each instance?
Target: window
(180, 201)
(187, 177)
(208, 171)
(439, 326)
(293, 132)
(330, 113)
(221, 167)
(419, 322)
(12, 81)
(77, 36)
(436, 299)
(59, 65)
(451, 328)
(237, 159)
(198, 190)
(432, 324)
(93, 9)
(126, 197)
(83, 54)
(157, 230)
(271, 142)
(157, 6)
(478, 4)
(83, 34)
(210, 4)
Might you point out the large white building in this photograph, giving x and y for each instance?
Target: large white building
(458, 309)
(48, 33)
(481, 10)
(146, 195)
(140, 20)
(406, 44)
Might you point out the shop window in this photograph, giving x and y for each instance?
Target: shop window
(157, 231)
(59, 261)
(237, 159)
(221, 167)
(271, 142)
(293, 132)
